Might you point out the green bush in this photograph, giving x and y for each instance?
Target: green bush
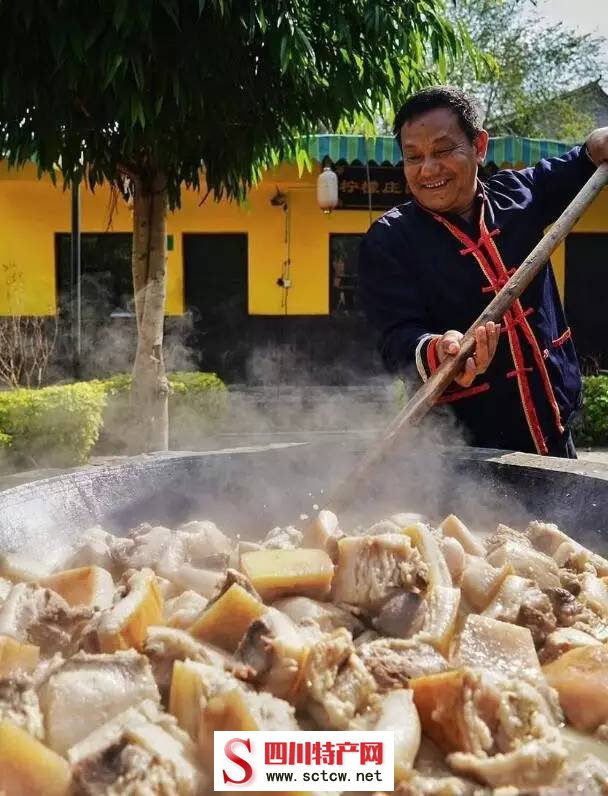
(591, 427)
(50, 427)
(59, 426)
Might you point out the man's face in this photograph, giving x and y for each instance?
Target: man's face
(440, 162)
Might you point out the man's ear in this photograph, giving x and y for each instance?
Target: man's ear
(481, 146)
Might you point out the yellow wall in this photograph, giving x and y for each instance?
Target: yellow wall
(32, 211)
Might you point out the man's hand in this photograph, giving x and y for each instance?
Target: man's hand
(597, 145)
(486, 342)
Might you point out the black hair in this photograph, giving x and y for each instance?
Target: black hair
(440, 97)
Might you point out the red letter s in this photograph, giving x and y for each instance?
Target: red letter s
(233, 757)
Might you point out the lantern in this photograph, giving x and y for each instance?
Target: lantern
(327, 190)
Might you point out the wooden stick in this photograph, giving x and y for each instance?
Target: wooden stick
(423, 400)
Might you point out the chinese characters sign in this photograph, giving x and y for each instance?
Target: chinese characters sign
(297, 761)
(386, 184)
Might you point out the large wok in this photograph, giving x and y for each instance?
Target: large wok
(250, 490)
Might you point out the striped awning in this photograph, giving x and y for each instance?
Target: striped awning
(384, 149)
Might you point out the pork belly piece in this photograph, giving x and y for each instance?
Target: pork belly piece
(204, 539)
(571, 613)
(328, 616)
(589, 777)
(396, 713)
(39, 616)
(548, 538)
(393, 662)
(165, 645)
(140, 751)
(527, 563)
(371, 568)
(182, 611)
(504, 534)
(19, 705)
(157, 548)
(273, 652)
(441, 617)
(91, 689)
(521, 602)
(336, 685)
(498, 731)
(563, 640)
(427, 542)
(239, 709)
(288, 538)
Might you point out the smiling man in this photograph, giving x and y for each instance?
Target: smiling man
(429, 267)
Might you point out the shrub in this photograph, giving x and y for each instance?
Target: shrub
(59, 426)
(591, 427)
(51, 427)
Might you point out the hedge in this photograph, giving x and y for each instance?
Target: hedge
(59, 426)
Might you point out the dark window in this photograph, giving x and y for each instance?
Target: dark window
(108, 326)
(344, 274)
(215, 287)
(586, 297)
(107, 286)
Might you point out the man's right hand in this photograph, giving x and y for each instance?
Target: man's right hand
(486, 343)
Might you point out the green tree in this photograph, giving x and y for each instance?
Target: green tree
(167, 93)
(523, 87)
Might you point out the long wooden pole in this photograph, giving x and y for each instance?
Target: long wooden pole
(423, 400)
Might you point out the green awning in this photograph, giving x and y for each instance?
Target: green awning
(383, 149)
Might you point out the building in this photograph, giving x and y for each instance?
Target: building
(263, 292)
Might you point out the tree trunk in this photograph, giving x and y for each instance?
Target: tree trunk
(150, 390)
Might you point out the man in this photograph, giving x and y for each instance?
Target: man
(429, 267)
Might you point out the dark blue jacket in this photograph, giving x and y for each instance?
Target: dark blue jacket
(422, 274)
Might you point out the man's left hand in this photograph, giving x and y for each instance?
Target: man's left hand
(597, 145)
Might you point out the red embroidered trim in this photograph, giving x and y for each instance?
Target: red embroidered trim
(500, 282)
(485, 237)
(516, 321)
(431, 354)
(562, 338)
(529, 334)
(512, 373)
(514, 344)
(466, 393)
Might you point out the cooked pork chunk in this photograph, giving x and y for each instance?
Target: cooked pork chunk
(283, 539)
(526, 747)
(402, 615)
(19, 705)
(328, 616)
(141, 751)
(41, 617)
(183, 610)
(89, 690)
(548, 538)
(393, 662)
(527, 563)
(394, 712)
(505, 534)
(562, 640)
(521, 602)
(372, 568)
(336, 684)
(273, 651)
(323, 532)
(164, 645)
